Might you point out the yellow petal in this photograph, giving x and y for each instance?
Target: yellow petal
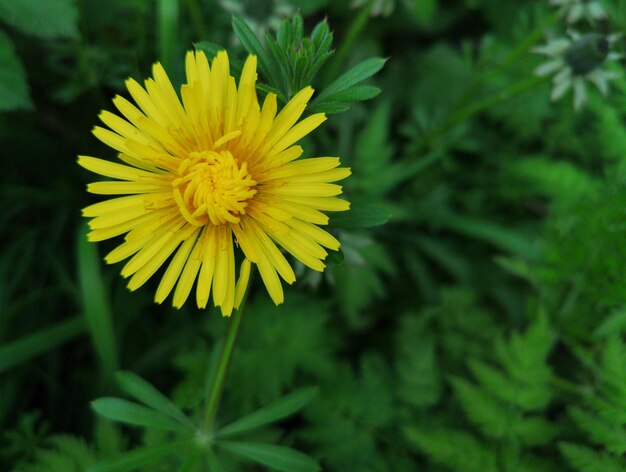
(124, 188)
(299, 131)
(320, 203)
(242, 283)
(187, 277)
(221, 277)
(203, 288)
(173, 270)
(316, 234)
(111, 169)
(305, 189)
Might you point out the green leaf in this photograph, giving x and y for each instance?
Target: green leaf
(138, 458)
(358, 93)
(44, 19)
(278, 410)
(13, 86)
(143, 391)
(494, 419)
(337, 102)
(357, 74)
(419, 381)
(360, 217)
(335, 258)
(252, 44)
(330, 108)
(584, 459)
(123, 411)
(613, 324)
(96, 303)
(209, 48)
(610, 435)
(32, 345)
(527, 396)
(453, 449)
(274, 457)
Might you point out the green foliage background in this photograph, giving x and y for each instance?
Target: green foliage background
(481, 329)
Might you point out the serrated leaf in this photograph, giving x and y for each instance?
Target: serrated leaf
(143, 391)
(360, 217)
(278, 410)
(358, 93)
(357, 74)
(13, 86)
(252, 44)
(130, 461)
(269, 89)
(454, 449)
(493, 418)
(527, 396)
(330, 108)
(123, 411)
(275, 457)
(610, 435)
(584, 459)
(44, 19)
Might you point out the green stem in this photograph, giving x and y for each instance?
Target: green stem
(462, 111)
(217, 386)
(463, 114)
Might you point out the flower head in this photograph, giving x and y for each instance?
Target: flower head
(574, 10)
(209, 181)
(572, 61)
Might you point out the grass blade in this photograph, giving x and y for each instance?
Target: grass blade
(96, 304)
(42, 341)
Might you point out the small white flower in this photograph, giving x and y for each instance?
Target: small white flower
(260, 15)
(574, 10)
(572, 61)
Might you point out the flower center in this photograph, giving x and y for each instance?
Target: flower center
(212, 187)
(587, 53)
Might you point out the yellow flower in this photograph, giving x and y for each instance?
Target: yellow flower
(214, 179)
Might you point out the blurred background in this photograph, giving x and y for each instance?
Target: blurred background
(480, 329)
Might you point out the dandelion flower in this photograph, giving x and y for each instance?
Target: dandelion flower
(572, 61)
(210, 181)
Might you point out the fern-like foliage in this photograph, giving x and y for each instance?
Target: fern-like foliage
(350, 424)
(505, 404)
(65, 453)
(602, 416)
